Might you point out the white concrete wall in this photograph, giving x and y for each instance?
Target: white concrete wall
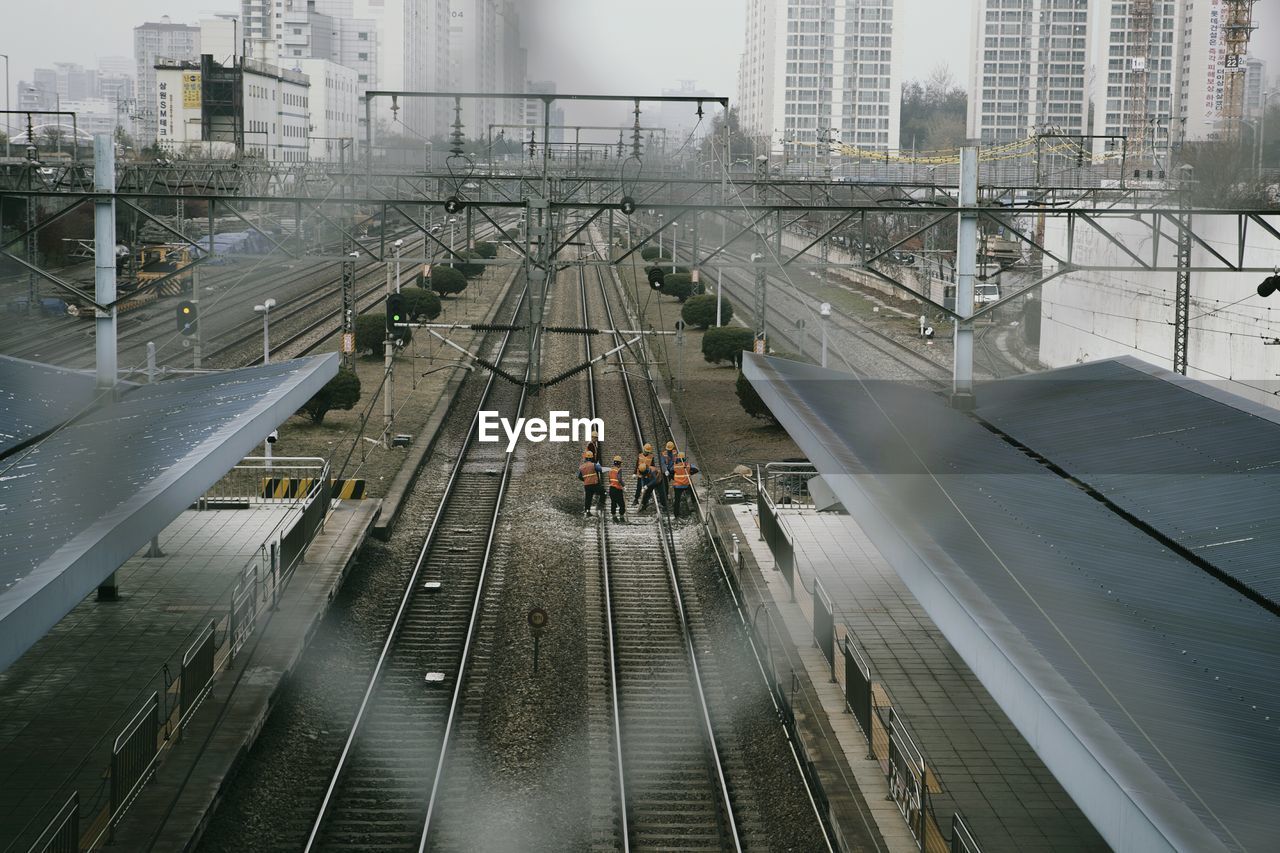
(1091, 315)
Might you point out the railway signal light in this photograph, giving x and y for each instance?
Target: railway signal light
(397, 312)
(452, 204)
(187, 317)
(628, 205)
(1269, 285)
(656, 277)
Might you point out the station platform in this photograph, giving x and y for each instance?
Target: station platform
(63, 703)
(980, 765)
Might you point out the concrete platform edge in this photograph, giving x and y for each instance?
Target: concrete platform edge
(223, 731)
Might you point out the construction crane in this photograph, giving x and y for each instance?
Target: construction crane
(1138, 127)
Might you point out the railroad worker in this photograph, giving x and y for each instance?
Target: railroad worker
(594, 446)
(589, 473)
(682, 479)
(654, 484)
(617, 491)
(644, 459)
(667, 462)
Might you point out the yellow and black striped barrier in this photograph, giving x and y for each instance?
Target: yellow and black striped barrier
(346, 490)
(286, 487)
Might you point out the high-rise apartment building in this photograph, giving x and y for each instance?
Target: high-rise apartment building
(485, 55)
(1136, 80)
(1255, 85)
(1031, 63)
(814, 72)
(412, 55)
(153, 43)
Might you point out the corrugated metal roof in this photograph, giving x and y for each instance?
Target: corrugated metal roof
(35, 398)
(79, 503)
(1149, 688)
(1198, 465)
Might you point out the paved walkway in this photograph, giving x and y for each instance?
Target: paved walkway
(63, 703)
(986, 769)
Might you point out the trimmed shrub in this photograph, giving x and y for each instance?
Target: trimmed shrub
(467, 265)
(487, 249)
(371, 332)
(648, 253)
(679, 285)
(750, 400)
(700, 311)
(340, 392)
(421, 304)
(446, 280)
(726, 343)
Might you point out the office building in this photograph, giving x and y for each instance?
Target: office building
(816, 72)
(334, 103)
(1031, 63)
(154, 43)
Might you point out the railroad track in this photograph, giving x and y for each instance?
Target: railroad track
(395, 750)
(673, 790)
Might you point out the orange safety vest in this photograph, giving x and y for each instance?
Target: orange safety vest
(680, 474)
(615, 478)
(646, 458)
(589, 474)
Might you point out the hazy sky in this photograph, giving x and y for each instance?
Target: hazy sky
(595, 46)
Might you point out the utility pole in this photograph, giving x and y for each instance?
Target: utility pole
(966, 271)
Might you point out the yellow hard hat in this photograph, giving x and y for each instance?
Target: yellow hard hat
(648, 448)
(642, 467)
(617, 460)
(680, 456)
(587, 454)
(671, 445)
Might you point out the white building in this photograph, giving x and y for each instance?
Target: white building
(1136, 79)
(1255, 86)
(257, 108)
(818, 71)
(220, 37)
(334, 108)
(1031, 62)
(154, 43)
(1203, 73)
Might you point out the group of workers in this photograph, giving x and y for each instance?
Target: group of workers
(653, 476)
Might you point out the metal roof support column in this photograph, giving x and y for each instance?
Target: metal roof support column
(104, 258)
(966, 269)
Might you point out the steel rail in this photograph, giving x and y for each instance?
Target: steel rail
(410, 589)
(474, 619)
(625, 829)
(667, 540)
(729, 584)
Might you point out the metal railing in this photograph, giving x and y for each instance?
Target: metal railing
(172, 702)
(260, 481)
(888, 740)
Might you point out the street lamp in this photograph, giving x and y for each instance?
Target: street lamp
(265, 310)
(8, 128)
(453, 234)
(396, 246)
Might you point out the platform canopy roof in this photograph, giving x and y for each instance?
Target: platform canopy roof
(1147, 683)
(75, 505)
(35, 398)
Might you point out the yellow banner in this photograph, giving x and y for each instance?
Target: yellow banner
(191, 91)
